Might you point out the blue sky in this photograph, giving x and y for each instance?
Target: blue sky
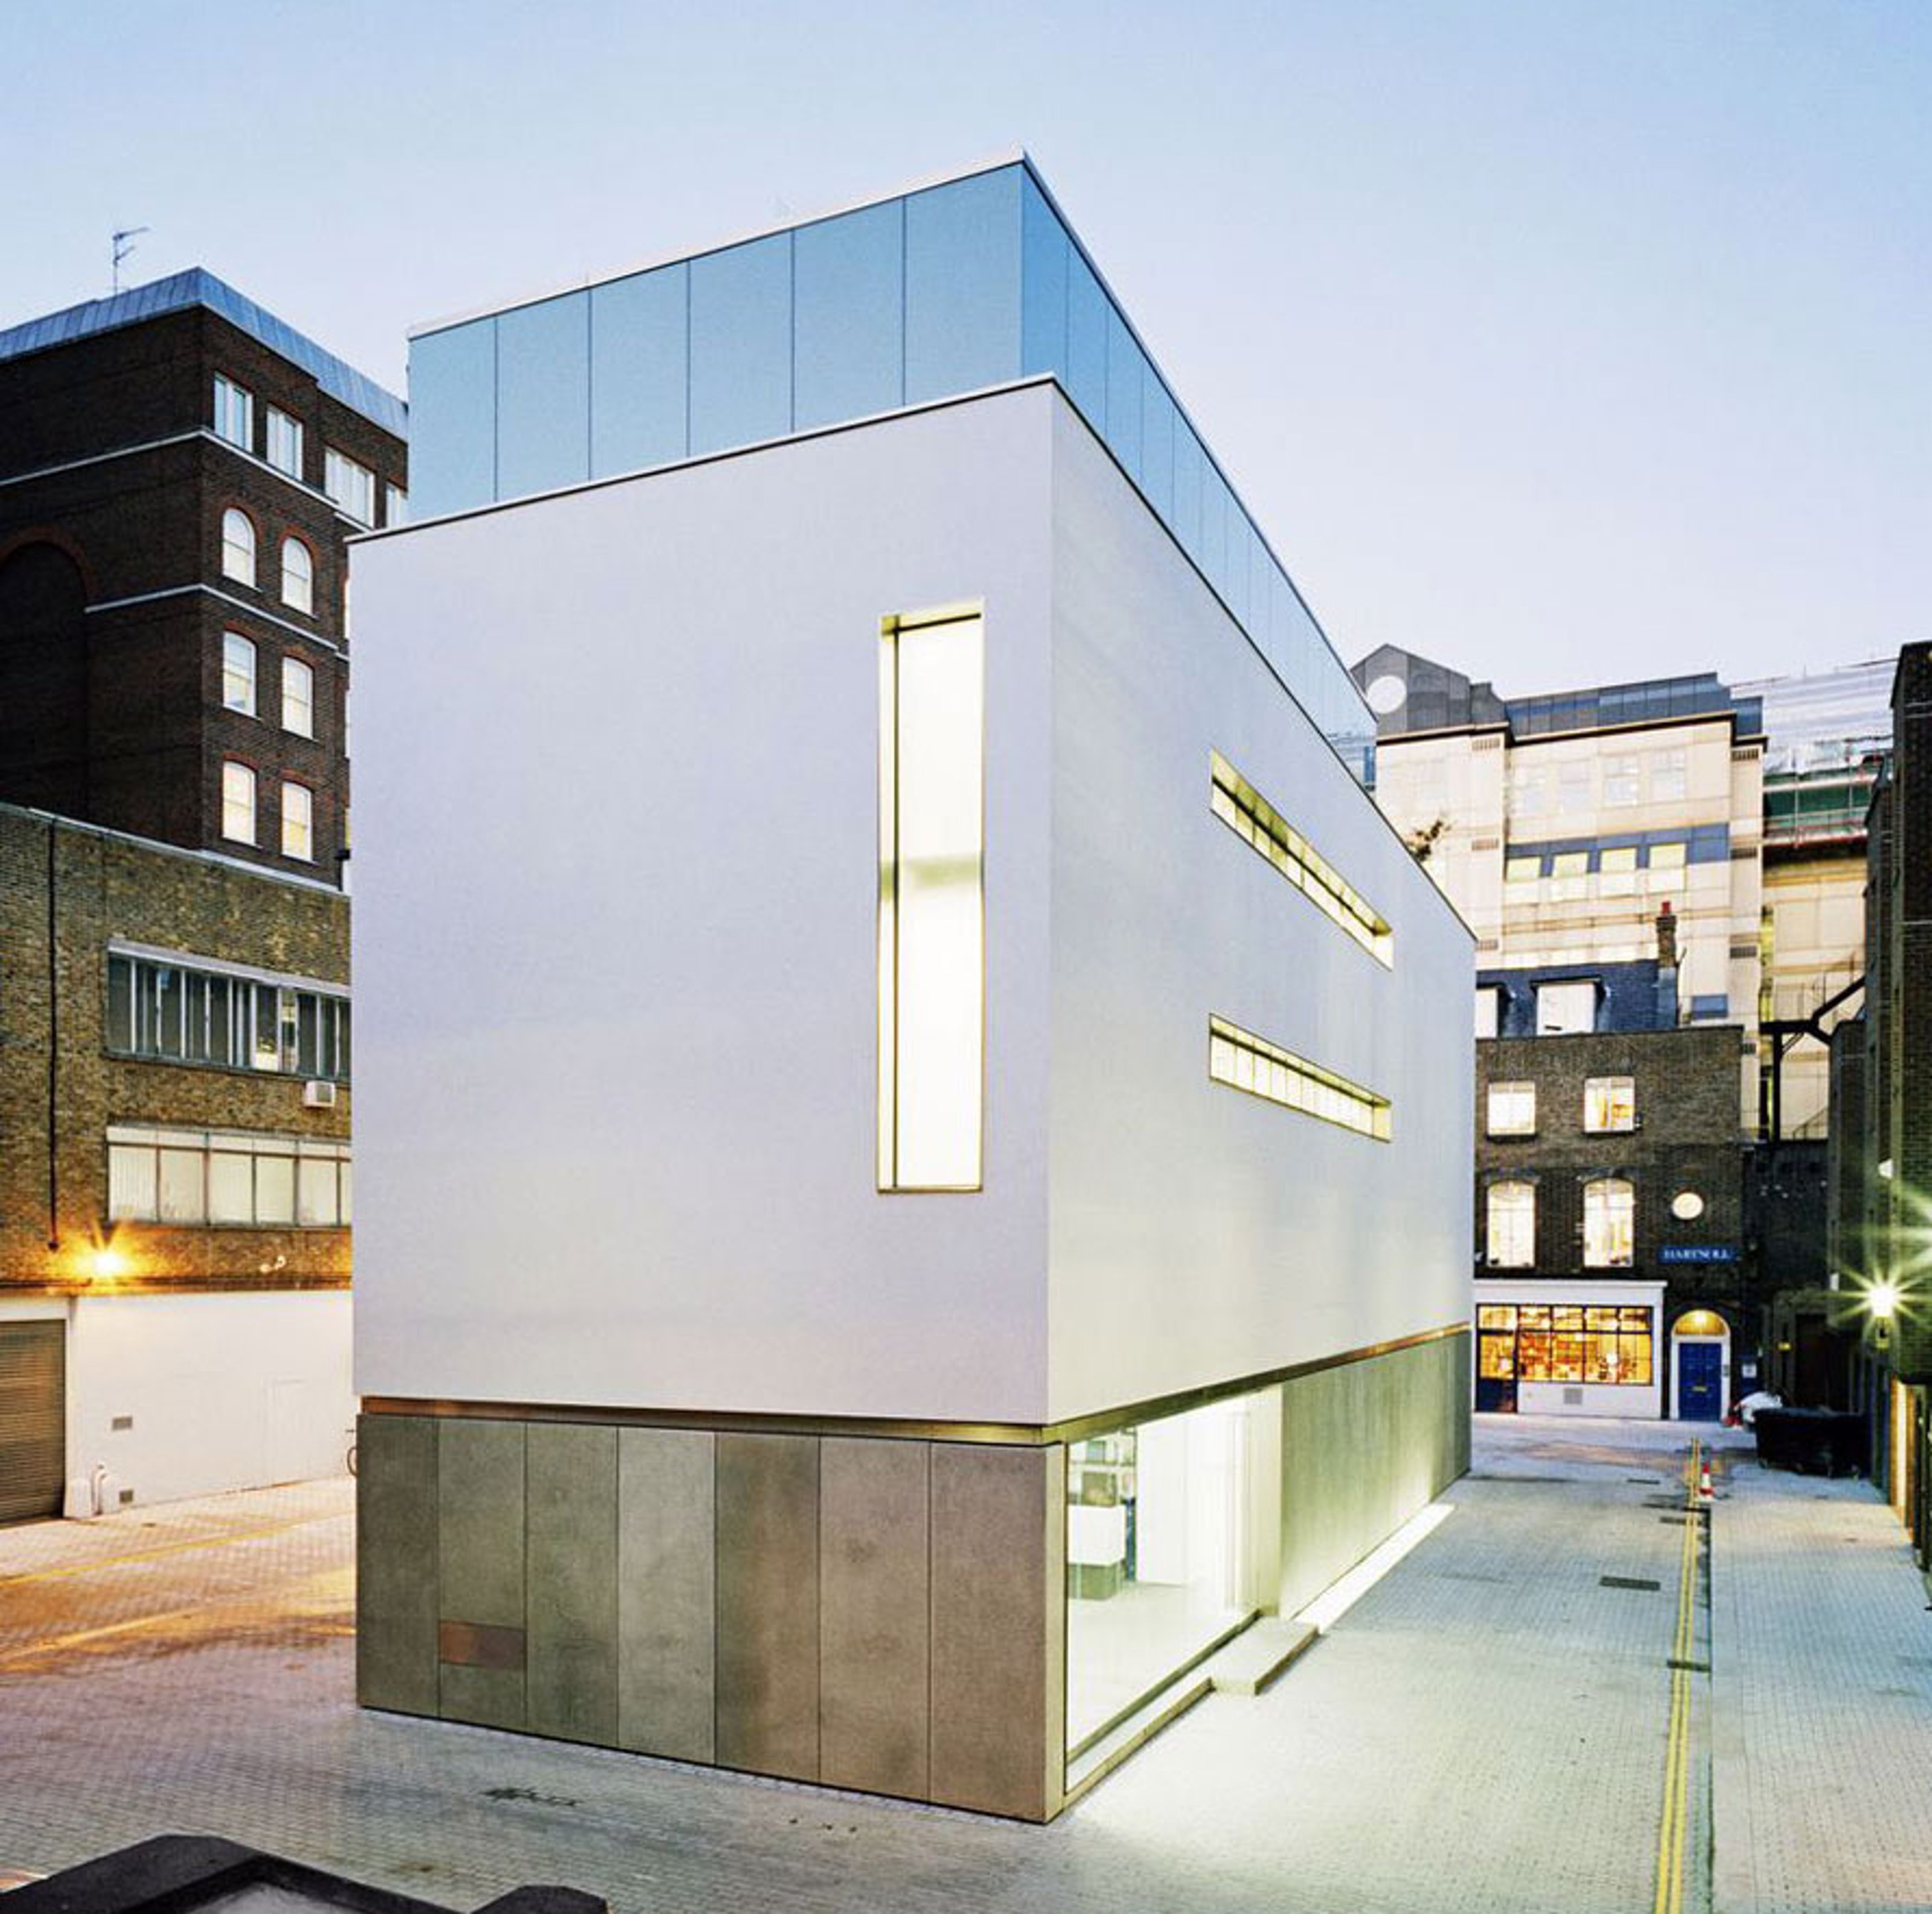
(1564, 340)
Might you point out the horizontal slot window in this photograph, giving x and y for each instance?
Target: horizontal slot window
(1243, 1061)
(176, 1013)
(235, 1178)
(1259, 824)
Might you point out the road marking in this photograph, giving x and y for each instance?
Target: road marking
(1671, 1835)
(166, 1548)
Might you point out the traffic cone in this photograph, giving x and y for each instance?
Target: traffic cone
(1704, 1494)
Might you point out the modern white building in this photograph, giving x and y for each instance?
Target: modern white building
(914, 1118)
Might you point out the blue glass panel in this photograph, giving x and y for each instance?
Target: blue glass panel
(1088, 310)
(963, 286)
(543, 396)
(1216, 508)
(1241, 543)
(638, 383)
(453, 415)
(741, 345)
(849, 285)
(1189, 467)
(1159, 419)
(1044, 248)
(1125, 367)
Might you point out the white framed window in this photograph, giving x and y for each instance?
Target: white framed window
(1669, 775)
(349, 486)
(1512, 1110)
(1568, 871)
(1623, 779)
(1616, 864)
(1575, 788)
(234, 412)
(1609, 1217)
(237, 546)
(298, 697)
(1566, 1009)
(298, 575)
(238, 802)
(1521, 870)
(285, 443)
(298, 821)
(1609, 1104)
(237, 673)
(395, 505)
(1489, 1010)
(1510, 1219)
(230, 1176)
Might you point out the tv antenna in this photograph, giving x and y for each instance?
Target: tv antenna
(124, 244)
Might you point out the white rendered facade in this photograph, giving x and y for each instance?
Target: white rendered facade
(700, 1037)
(622, 1002)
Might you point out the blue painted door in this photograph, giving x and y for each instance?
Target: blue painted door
(1700, 1381)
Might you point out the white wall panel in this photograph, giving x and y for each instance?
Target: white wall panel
(1200, 1233)
(617, 772)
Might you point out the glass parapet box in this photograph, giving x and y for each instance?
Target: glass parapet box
(967, 285)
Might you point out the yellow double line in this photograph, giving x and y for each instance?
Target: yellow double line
(1671, 1835)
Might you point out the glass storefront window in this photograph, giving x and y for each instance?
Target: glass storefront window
(1159, 1558)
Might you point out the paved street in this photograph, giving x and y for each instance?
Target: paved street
(1488, 1728)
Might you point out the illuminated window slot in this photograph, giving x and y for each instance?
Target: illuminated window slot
(1259, 824)
(931, 900)
(1243, 1061)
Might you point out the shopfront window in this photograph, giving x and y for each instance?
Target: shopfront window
(1564, 1342)
(1158, 1554)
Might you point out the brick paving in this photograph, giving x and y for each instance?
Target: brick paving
(1485, 1729)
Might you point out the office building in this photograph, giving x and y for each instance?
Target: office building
(1558, 825)
(914, 1117)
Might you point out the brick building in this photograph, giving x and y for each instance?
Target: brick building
(174, 1188)
(1881, 1138)
(1611, 1273)
(179, 474)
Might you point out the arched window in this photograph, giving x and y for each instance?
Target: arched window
(237, 546)
(1512, 1224)
(1609, 1216)
(298, 575)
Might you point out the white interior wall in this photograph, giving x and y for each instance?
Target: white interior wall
(617, 778)
(1200, 1233)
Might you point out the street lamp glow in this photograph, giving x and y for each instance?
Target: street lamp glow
(1881, 1299)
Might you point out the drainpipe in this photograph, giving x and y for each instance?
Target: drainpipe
(53, 1047)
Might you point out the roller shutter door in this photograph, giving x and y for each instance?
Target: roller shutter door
(33, 1420)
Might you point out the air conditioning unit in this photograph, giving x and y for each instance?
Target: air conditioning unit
(318, 1096)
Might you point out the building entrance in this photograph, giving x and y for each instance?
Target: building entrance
(1699, 1380)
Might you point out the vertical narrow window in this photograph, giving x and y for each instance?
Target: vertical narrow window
(348, 485)
(235, 413)
(237, 546)
(298, 575)
(298, 821)
(931, 896)
(285, 443)
(238, 802)
(237, 673)
(1609, 1212)
(298, 697)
